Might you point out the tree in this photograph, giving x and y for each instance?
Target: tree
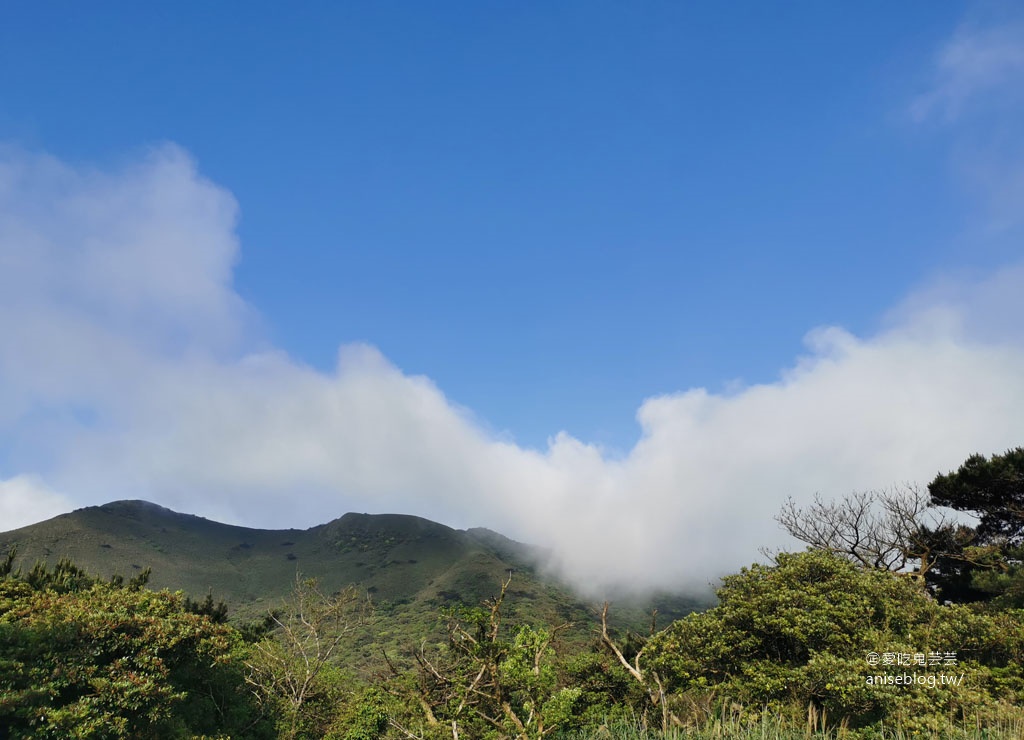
(648, 678)
(290, 671)
(216, 611)
(801, 631)
(989, 565)
(608, 693)
(104, 660)
(991, 489)
(64, 576)
(894, 530)
(487, 685)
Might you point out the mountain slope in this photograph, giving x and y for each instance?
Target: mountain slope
(397, 558)
(410, 567)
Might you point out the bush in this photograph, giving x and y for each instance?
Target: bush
(110, 661)
(798, 633)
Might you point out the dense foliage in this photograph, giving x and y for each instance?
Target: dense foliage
(90, 659)
(992, 488)
(81, 658)
(988, 563)
(490, 683)
(813, 629)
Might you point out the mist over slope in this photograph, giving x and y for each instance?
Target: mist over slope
(404, 562)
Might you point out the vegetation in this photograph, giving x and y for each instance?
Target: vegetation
(290, 670)
(799, 633)
(80, 657)
(487, 685)
(990, 488)
(897, 622)
(985, 565)
(411, 567)
(893, 530)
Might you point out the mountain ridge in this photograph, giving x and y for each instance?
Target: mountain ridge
(409, 566)
(241, 564)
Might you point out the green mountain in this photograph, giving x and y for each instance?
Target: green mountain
(411, 567)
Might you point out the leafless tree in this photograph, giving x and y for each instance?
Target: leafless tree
(285, 667)
(894, 529)
(649, 679)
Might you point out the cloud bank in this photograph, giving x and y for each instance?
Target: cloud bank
(129, 367)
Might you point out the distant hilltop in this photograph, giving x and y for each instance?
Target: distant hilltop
(401, 560)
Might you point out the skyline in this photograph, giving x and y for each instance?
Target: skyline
(569, 273)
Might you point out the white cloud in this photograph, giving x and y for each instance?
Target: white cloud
(977, 93)
(978, 62)
(25, 499)
(126, 371)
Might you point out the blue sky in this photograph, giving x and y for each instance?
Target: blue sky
(554, 211)
(549, 215)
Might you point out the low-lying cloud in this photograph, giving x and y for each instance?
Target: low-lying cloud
(129, 367)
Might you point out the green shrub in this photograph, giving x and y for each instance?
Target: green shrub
(798, 633)
(109, 661)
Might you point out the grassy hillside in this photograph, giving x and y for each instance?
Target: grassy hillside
(396, 558)
(410, 567)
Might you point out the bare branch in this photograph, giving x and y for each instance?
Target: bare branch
(892, 529)
(307, 633)
(655, 694)
(634, 671)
